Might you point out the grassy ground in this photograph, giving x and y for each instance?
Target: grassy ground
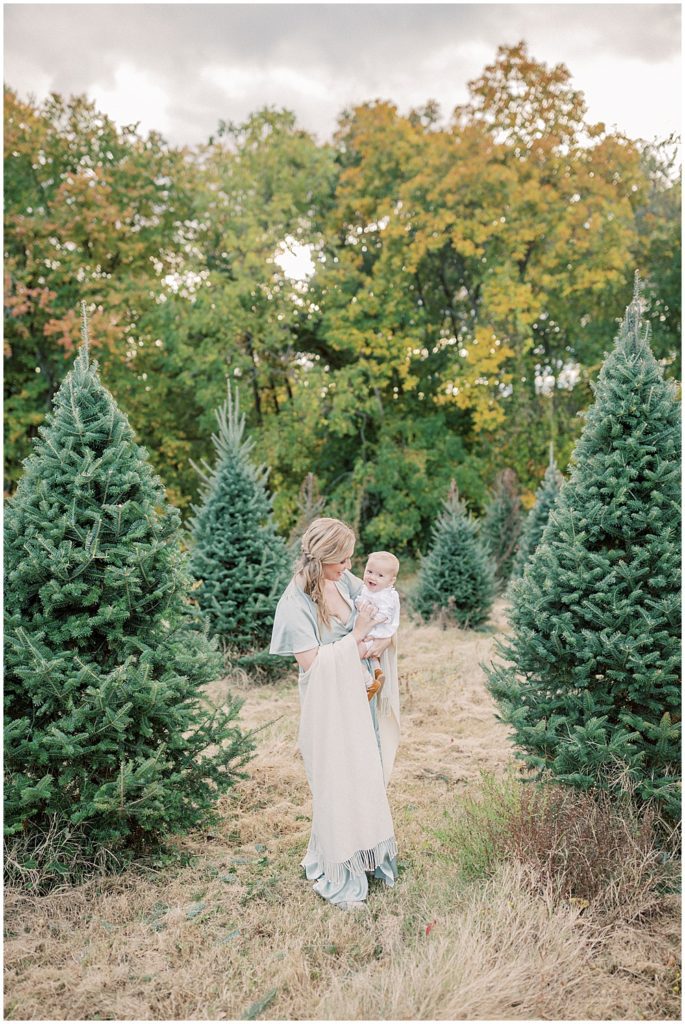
(230, 929)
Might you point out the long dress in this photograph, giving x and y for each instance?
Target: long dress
(296, 629)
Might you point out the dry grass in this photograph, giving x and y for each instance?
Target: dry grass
(612, 856)
(495, 953)
(235, 931)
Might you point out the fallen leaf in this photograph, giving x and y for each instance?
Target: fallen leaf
(253, 1011)
(577, 901)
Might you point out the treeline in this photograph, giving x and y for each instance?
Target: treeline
(467, 278)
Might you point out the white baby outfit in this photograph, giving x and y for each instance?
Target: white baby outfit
(387, 602)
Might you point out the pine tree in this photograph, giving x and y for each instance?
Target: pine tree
(591, 679)
(107, 733)
(241, 563)
(456, 577)
(501, 525)
(536, 520)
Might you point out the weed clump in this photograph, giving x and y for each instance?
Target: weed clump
(574, 845)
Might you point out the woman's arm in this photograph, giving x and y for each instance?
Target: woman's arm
(305, 659)
(364, 620)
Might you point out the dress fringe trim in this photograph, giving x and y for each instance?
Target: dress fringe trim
(383, 704)
(357, 864)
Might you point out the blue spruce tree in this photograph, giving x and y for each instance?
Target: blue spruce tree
(536, 520)
(500, 527)
(591, 679)
(457, 576)
(108, 737)
(239, 560)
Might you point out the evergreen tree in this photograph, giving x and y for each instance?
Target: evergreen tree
(591, 679)
(536, 520)
(456, 577)
(241, 563)
(107, 733)
(501, 525)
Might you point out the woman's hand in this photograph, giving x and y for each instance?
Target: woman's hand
(379, 646)
(366, 617)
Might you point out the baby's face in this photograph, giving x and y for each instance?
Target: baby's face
(378, 574)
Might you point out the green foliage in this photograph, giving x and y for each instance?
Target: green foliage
(456, 577)
(658, 217)
(536, 520)
(238, 559)
(107, 733)
(476, 835)
(92, 212)
(428, 313)
(579, 846)
(258, 189)
(590, 681)
(501, 525)
(398, 474)
(310, 505)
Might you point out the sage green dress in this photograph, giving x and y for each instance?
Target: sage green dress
(296, 628)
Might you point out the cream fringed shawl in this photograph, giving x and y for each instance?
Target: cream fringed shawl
(351, 822)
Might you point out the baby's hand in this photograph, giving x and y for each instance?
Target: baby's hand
(377, 646)
(366, 618)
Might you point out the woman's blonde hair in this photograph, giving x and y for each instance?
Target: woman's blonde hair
(324, 541)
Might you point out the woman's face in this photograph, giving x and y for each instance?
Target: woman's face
(334, 570)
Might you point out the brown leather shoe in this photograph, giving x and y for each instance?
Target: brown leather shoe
(376, 685)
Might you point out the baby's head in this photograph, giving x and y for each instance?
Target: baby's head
(381, 570)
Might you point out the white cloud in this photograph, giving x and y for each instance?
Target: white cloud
(645, 100)
(181, 68)
(283, 81)
(135, 95)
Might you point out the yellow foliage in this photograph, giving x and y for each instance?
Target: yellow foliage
(475, 386)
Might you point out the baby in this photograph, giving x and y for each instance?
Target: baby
(379, 576)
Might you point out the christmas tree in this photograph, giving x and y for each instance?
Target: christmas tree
(456, 577)
(591, 680)
(536, 520)
(501, 525)
(107, 733)
(241, 563)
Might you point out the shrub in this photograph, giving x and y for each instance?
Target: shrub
(580, 846)
(109, 740)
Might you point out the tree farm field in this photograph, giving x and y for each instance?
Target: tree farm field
(228, 927)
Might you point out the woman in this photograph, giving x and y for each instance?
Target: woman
(348, 743)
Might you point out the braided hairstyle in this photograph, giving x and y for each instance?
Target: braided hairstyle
(324, 541)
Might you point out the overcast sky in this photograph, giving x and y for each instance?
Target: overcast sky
(180, 68)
